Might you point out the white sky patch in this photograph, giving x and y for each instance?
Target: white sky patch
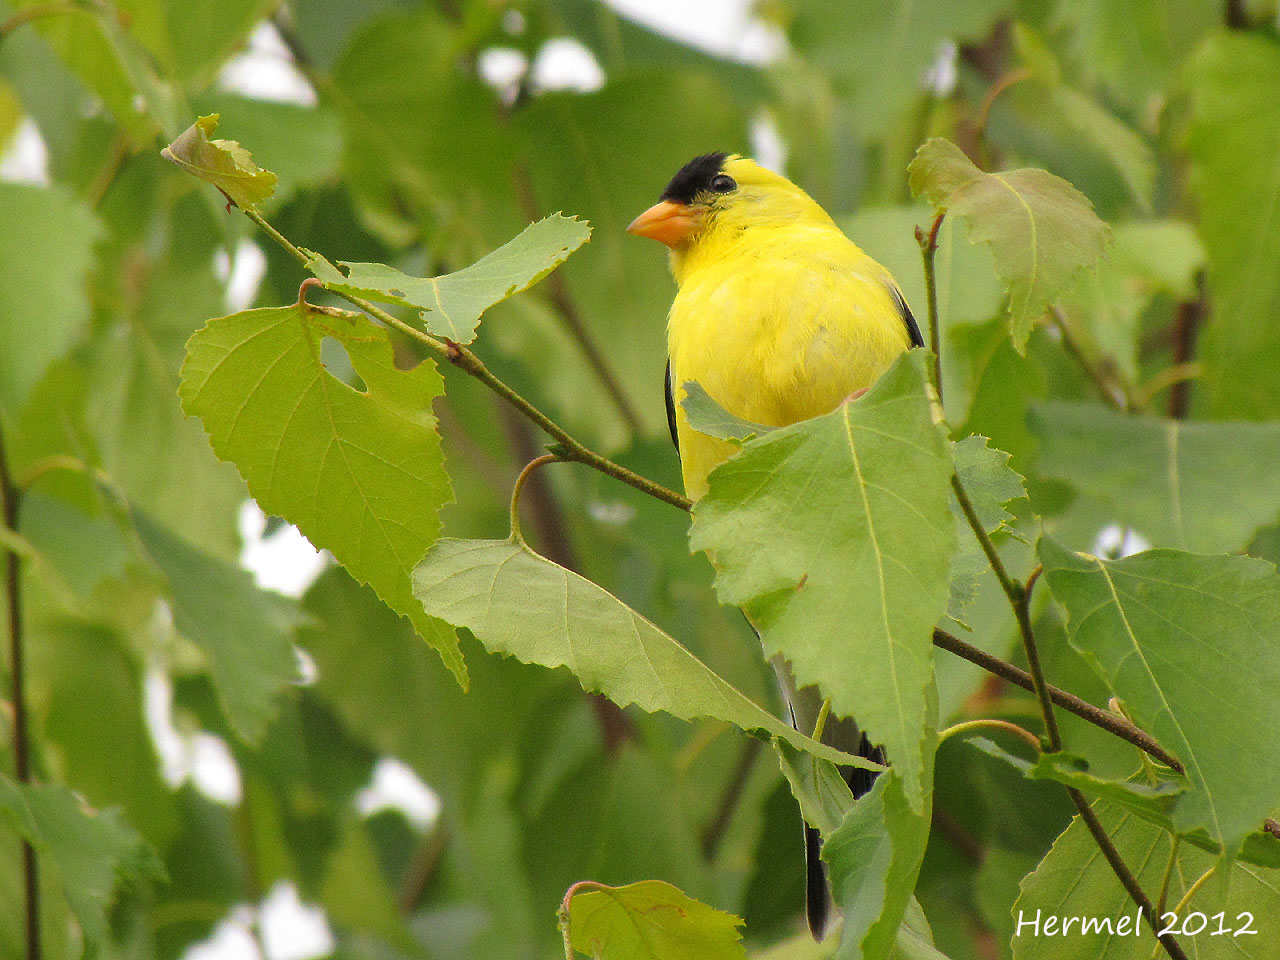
(285, 561)
(724, 27)
(291, 929)
(767, 148)
(940, 79)
(565, 64)
(200, 757)
(26, 159)
(503, 68)
(242, 274)
(396, 787)
(231, 939)
(265, 71)
(1117, 541)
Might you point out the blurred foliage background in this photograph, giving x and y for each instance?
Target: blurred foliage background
(424, 134)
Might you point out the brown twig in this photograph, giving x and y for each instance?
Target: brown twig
(1115, 394)
(422, 868)
(1118, 726)
(12, 498)
(567, 308)
(1186, 326)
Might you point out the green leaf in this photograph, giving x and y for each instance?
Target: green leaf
(92, 851)
(1074, 880)
(818, 787)
(1152, 801)
(360, 472)
(1234, 142)
(834, 535)
(707, 416)
(873, 859)
(452, 304)
(224, 163)
(650, 920)
(47, 249)
(521, 604)
(1207, 487)
(1041, 229)
(244, 631)
(988, 479)
(1184, 641)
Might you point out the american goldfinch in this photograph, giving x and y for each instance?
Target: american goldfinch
(779, 317)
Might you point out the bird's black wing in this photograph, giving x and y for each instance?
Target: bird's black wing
(671, 410)
(912, 329)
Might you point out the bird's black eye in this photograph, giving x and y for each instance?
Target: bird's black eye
(723, 183)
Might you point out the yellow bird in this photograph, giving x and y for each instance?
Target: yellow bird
(780, 317)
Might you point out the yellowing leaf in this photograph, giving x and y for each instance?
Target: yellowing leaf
(1041, 229)
(650, 920)
(453, 303)
(224, 163)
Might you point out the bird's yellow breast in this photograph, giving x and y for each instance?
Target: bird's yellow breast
(778, 326)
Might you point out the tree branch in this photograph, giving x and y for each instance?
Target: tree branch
(464, 359)
(1118, 726)
(12, 497)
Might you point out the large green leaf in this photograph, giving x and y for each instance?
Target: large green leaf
(359, 472)
(874, 858)
(1075, 881)
(650, 920)
(1199, 486)
(1185, 641)
(835, 536)
(47, 250)
(521, 604)
(244, 631)
(1234, 142)
(451, 305)
(92, 851)
(1041, 229)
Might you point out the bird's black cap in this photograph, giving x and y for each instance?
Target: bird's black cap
(694, 178)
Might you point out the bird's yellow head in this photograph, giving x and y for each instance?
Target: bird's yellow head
(719, 199)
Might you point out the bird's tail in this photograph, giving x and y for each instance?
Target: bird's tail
(817, 889)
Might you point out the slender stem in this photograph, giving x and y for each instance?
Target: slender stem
(928, 248)
(821, 723)
(1194, 888)
(1123, 873)
(1186, 325)
(1118, 726)
(1017, 595)
(464, 359)
(521, 480)
(558, 292)
(422, 868)
(1115, 394)
(987, 722)
(12, 497)
(1168, 874)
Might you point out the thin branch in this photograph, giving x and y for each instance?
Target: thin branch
(734, 788)
(422, 867)
(12, 497)
(1124, 874)
(1186, 326)
(1017, 595)
(1114, 394)
(1068, 701)
(464, 359)
(558, 292)
(36, 12)
(928, 248)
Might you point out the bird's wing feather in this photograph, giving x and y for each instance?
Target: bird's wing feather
(913, 330)
(671, 410)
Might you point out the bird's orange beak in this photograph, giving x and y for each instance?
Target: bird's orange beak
(667, 222)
